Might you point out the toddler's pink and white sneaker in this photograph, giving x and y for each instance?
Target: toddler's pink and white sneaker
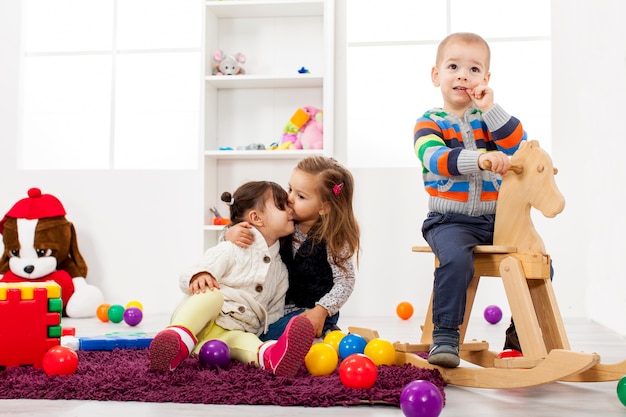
(170, 347)
(286, 355)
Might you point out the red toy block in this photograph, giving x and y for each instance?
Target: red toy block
(30, 322)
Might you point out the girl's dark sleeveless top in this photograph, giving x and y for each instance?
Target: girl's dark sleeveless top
(310, 275)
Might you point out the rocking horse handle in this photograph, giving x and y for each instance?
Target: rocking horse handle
(517, 169)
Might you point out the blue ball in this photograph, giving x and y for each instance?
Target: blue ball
(214, 354)
(351, 344)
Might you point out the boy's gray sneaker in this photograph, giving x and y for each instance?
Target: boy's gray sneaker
(444, 351)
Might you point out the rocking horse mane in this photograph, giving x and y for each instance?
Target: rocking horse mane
(530, 183)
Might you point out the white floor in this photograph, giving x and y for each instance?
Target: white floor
(567, 399)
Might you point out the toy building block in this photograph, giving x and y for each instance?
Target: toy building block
(109, 341)
(30, 322)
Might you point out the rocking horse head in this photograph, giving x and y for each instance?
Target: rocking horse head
(537, 175)
(529, 183)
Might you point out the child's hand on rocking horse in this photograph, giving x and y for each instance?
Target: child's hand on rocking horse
(497, 162)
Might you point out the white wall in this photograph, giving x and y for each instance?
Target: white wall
(589, 79)
(138, 229)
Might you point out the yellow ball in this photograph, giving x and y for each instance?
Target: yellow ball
(380, 351)
(134, 303)
(321, 360)
(333, 338)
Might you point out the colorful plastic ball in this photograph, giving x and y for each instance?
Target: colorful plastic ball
(134, 303)
(509, 353)
(421, 398)
(621, 390)
(116, 313)
(103, 312)
(333, 338)
(404, 310)
(214, 354)
(60, 360)
(321, 360)
(357, 371)
(133, 316)
(380, 351)
(351, 344)
(493, 314)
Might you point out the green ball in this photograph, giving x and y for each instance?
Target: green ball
(621, 390)
(116, 313)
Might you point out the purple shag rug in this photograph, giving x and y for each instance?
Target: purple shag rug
(123, 375)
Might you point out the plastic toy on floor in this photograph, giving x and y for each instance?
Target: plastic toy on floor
(40, 245)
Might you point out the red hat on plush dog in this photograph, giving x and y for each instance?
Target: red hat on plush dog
(36, 206)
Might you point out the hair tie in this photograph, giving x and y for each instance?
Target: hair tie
(232, 201)
(337, 189)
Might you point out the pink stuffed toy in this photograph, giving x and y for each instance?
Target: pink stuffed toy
(305, 129)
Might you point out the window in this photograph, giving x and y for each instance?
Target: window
(389, 83)
(111, 84)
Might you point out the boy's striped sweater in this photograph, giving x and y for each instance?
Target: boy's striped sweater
(449, 147)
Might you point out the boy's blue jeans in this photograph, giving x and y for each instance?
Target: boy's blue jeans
(277, 328)
(452, 238)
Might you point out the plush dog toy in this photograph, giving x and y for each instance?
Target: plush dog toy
(305, 129)
(40, 245)
(228, 64)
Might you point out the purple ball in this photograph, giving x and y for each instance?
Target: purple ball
(214, 354)
(421, 398)
(493, 314)
(133, 316)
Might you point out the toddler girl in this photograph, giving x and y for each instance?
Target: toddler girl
(319, 254)
(234, 293)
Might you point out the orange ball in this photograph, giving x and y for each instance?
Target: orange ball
(103, 312)
(404, 310)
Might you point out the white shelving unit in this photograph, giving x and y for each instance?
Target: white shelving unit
(278, 37)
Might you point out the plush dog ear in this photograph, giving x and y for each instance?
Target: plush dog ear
(58, 234)
(9, 238)
(75, 264)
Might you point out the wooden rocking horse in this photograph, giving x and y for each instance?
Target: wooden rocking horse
(519, 257)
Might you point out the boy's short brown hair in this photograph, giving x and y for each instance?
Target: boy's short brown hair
(466, 37)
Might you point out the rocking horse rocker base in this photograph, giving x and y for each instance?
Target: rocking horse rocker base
(518, 256)
(547, 357)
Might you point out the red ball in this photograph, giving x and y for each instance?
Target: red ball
(509, 353)
(357, 371)
(60, 360)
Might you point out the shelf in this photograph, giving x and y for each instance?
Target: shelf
(279, 37)
(267, 154)
(257, 8)
(264, 81)
(213, 228)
